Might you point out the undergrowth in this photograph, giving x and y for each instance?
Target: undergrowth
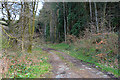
(26, 65)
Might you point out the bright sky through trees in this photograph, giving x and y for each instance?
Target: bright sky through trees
(40, 5)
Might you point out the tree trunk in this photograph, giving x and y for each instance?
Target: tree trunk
(29, 30)
(23, 26)
(59, 36)
(8, 16)
(90, 14)
(96, 17)
(45, 31)
(64, 21)
(34, 7)
(90, 9)
(51, 28)
(104, 11)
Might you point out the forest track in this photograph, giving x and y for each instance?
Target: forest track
(63, 69)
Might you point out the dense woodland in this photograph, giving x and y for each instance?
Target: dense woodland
(89, 28)
(61, 19)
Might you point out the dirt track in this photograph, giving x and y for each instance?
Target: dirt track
(70, 67)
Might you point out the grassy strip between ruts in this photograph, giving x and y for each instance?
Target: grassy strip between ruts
(79, 55)
(28, 65)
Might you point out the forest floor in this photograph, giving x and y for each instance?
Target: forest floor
(65, 66)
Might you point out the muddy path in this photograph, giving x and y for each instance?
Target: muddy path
(65, 66)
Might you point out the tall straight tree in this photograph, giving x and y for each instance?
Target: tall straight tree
(96, 17)
(23, 10)
(104, 20)
(90, 9)
(51, 27)
(90, 14)
(64, 21)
